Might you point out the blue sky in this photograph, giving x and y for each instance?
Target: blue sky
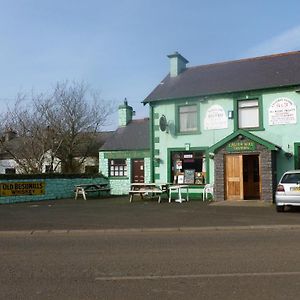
(119, 47)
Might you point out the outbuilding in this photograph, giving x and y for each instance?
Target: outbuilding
(125, 156)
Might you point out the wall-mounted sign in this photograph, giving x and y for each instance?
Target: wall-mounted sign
(215, 118)
(239, 146)
(22, 188)
(282, 111)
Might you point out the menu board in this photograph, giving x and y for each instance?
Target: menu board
(189, 176)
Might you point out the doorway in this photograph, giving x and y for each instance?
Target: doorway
(242, 177)
(251, 177)
(138, 171)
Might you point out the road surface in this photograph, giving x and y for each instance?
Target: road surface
(192, 264)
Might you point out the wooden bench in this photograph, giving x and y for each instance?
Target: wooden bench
(83, 189)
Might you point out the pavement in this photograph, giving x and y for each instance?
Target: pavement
(117, 214)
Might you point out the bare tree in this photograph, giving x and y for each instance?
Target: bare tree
(60, 125)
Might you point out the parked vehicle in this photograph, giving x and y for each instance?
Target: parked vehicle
(288, 190)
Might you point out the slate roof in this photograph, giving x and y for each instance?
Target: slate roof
(233, 76)
(135, 136)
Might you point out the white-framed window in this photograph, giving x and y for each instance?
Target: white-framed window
(188, 118)
(248, 113)
(117, 167)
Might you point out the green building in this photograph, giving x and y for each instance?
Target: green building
(125, 156)
(232, 124)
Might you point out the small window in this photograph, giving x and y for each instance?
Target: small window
(117, 167)
(248, 113)
(188, 118)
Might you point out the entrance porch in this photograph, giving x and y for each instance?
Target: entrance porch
(244, 168)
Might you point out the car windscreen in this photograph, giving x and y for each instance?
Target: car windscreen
(291, 178)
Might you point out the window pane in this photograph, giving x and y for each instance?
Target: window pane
(248, 118)
(187, 109)
(188, 118)
(248, 113)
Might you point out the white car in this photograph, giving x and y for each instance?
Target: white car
(288, 190)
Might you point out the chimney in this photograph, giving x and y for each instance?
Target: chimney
(177, 64)
(125, 114)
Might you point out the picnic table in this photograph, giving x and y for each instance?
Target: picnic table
(83, 189)
(143, 189)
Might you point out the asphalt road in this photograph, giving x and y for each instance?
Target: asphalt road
(113, 249)
(118, 213)
(204, 264)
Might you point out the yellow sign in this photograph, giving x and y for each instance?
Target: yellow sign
(22, 188)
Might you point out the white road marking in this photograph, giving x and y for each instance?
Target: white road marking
(191, 276)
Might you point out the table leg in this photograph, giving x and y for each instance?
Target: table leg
(170, 195)
(83, 194)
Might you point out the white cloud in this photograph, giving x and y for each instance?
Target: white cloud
(288, 40)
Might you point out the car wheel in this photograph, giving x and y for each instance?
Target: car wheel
(280, 208)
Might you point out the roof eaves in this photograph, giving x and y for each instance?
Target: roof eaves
(202, 96)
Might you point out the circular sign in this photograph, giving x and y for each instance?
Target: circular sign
(163, 123)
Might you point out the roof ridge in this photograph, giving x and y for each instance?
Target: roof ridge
(246, 59)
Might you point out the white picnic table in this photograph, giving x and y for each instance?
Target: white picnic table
(141, 188)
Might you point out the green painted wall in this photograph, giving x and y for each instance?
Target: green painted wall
(283, 136)
(172, 139)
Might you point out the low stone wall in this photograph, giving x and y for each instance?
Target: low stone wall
(25, 188)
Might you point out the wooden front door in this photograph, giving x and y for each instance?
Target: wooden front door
(234, 177)
(137, 170)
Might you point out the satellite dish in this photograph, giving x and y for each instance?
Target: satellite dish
(163, 123)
